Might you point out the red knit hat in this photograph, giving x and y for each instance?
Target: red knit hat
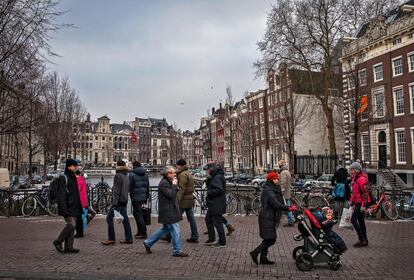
(272, 175)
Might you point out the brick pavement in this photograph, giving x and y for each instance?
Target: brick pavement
(26, 252)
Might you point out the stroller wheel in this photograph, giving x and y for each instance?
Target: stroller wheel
(304, 262)
(335, 265)
(297, 251)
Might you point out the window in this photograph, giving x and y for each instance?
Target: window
(257, 134)
(263, 133)
(397, 68)
(379, 104)
(103, 138)
(400, 150)
(398, 101)
(412, 145)
(261, 118)
(411, 88)
(378, 75)
(365, 148)
(270, 115)
(260, 103)
(351, 82)
(411, 35)
(271, 136)
(255, 119)
(396, 41)
(362, 77)
(410, 58)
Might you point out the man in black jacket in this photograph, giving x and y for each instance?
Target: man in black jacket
(216, 205)
(341, 190)
(168, 213)
(69, 206)
(139, 192)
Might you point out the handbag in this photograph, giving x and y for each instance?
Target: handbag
(346, 218)
(146, 214)
(118, 217)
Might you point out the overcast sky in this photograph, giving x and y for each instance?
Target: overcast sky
(170, 58)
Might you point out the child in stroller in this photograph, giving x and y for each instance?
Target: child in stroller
(325, 218)
(318, 247)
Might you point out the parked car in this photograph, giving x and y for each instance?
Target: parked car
(228, 176)
(242, 178)
(259, 180)
(23, 182)
(324, 181)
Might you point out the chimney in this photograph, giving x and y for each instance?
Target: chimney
(213, 110)
(220, 106)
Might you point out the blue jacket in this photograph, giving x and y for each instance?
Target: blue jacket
(138, 185)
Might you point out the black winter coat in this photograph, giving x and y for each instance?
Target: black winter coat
(216, 192)
(168, 209)
(271, 212)
(138, 185)
(341, 176)
(68, 200)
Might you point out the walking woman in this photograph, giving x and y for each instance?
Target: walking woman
(359, 200)
(269, 216)
(84, 202)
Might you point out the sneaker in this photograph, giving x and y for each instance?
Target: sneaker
(190, 240)
(58, 246)
(126, 241)
(148, 249)
(71, 251)
(108, 242)
(218, 245)
(209, 242)
(181, 255)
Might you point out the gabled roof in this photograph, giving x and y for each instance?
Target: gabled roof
(116, 127)
(104, 118)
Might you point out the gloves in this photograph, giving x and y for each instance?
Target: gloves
(293, 208)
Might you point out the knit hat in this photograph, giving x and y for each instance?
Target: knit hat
(70, 162)
(356, 166)
(272, 175)
(181, 162)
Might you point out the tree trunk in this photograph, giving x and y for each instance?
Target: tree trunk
(330, 126)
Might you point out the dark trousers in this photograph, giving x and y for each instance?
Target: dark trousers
(358, 221)
(68, 232)
(79, 226)
(263, 248)
(125, 222)
(139, 218)
(215, 221)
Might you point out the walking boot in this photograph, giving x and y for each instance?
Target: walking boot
(254, 254)
(230, 229)
(265, 260)
(364, 243)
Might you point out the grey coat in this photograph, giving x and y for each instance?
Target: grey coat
(120, 189)
(168, 209)
(286, 182)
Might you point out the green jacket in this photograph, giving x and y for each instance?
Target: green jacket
(186, 188)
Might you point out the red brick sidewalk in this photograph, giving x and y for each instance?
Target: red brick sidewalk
(26, 252)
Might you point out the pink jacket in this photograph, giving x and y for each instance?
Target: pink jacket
(360, 194)
(82, 191)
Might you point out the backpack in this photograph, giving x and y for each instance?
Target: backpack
(53, 188)
(339, 190)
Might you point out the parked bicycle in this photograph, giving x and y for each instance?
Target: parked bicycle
(312, 199)
(405, 207)
(384, 203)
(39, 198)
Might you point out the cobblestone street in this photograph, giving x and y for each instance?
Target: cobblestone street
(27, 253)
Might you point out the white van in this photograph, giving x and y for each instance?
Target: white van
(4, 179)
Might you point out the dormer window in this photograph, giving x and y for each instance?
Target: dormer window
(396, 41)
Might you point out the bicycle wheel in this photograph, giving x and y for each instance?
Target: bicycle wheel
(405, 208)
(231, 203)
(29, 206)
(389, 209)
(52, 208)
(317, 202)
(256, 205)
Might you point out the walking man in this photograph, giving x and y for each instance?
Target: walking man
(120, 191)
(286, 184)
(69, 206)
(216, 205)
(185, 197)
(139, 193)
(168, 213)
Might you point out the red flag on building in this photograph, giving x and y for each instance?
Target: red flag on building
(134, 137)
(364, 104)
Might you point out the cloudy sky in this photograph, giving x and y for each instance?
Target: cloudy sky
(159, 58)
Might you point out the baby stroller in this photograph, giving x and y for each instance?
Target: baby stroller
(317, 247)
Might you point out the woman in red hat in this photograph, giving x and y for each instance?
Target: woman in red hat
(269, 216)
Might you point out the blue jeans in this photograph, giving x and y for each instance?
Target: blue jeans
(125, 222)
(291, 218)
(173, 230)
(190, 218)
